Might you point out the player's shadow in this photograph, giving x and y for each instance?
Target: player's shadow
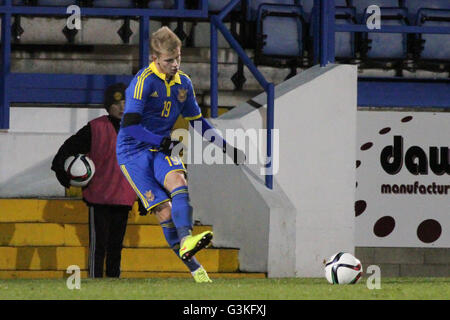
(50, 254)
(7, 234)
(73, 217)
(72, 231)
(132, 236)
(29, 255)
(46, 258)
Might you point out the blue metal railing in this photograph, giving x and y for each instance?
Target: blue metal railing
(77, 88)
(328, 27)
(5, 69)
(380, 92)
(217, 24)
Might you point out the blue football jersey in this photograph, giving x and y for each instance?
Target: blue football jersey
(160, 103)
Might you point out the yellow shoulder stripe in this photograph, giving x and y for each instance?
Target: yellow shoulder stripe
(194, 117)
(140, 83)
(184, 74)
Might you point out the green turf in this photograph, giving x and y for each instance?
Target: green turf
(228, 289)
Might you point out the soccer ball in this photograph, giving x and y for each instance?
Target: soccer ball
(343, 268)
(80, 170)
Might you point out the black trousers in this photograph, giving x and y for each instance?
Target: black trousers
(107, 225)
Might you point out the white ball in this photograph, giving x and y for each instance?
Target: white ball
(343, 268)
(80, 169)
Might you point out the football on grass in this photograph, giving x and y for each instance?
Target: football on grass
(343, 268)
(80, 170)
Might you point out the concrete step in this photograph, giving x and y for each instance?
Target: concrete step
(133, 259)
(51, 274)
(57, 210)
(74, 235)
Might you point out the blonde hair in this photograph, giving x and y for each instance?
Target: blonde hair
(164, 40)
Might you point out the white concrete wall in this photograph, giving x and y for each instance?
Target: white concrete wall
(27, 149)
(241, 209)
(315, 113)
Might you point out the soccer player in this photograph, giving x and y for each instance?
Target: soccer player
(155, 98)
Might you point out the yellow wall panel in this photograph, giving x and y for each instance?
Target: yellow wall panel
(31, 234)
(151, 260)
(39, 210)
(28, 258)
(68, 256)
(76, 235)
(166, 260)
(144, 236)
(150, 236)
(135, 218)
(16, 210)
(64, 211)
(133, 259)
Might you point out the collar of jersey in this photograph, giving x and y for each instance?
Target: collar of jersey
(162, 76)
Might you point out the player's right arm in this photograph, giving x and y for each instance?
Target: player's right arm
(135, 101)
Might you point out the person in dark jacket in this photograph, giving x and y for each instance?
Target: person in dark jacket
(108, 195)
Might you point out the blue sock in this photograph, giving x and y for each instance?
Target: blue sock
(181, 211)
(171, 234)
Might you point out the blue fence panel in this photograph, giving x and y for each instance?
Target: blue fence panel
(61, 88)
(409, 93)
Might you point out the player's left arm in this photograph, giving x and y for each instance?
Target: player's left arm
(192, 112)
(135, 100)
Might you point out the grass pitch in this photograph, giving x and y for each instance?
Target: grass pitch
(224, 289)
